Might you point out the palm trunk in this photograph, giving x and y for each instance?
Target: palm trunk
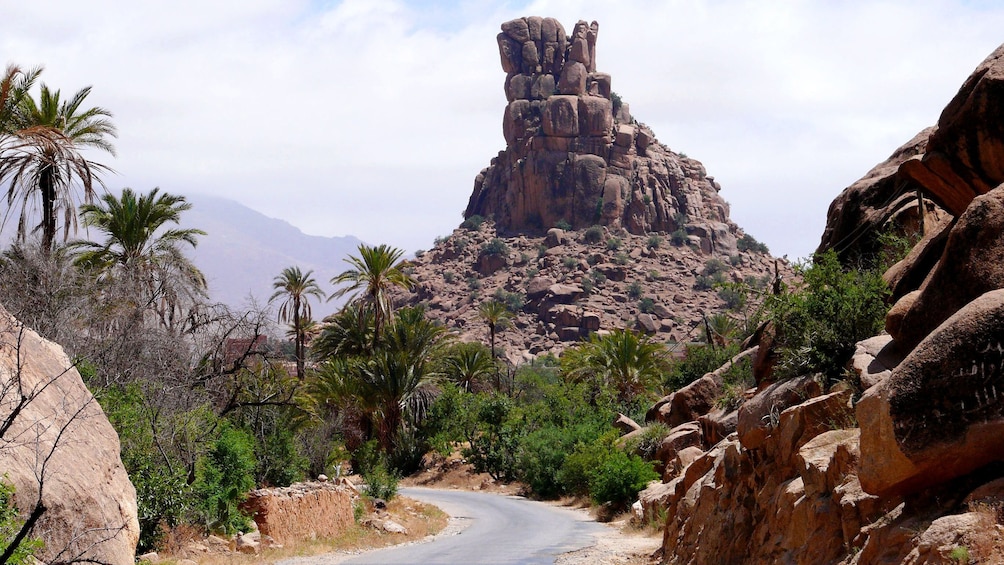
(47, 185)
(298, 338)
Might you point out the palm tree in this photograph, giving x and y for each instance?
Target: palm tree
(497, 316)
(14, 86)
(43, 155)
(621, 359)
(348, 332)
(467, 363)
(374, 272)
(390, 385)
(139, 252)
(297, 288)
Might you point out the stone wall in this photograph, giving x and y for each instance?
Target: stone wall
(302, 511)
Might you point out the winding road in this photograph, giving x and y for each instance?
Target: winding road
(491, 529)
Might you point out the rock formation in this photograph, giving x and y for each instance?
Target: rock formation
(575, 154)
(60, 442)
(912, 470)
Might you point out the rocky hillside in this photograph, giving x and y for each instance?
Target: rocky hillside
(901, 463)
(568, 284)
(592, 224)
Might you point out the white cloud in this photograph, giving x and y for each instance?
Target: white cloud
(372, 118)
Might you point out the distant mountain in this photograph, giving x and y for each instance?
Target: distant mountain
(244, 251)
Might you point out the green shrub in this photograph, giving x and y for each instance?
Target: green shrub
(10, 525)
(735, 260)
(598, 277)
(714, 266)
(569, 263)
(543, 452)
(496, 246)
(616, 102)
(621, 258)
(493, 440)
(748, 243)
(646, 305)
(819, 323)
(449, 277)
(593, 234)
(634, 290)
(473, 283)
(613, 243)
(223, 478)
(619, 478)
(707, 282)
(700, 359)
(473, 223)
(380, 483)
(679, 237)
(581, 463)
(654, 241)
(733, 298)
(563, 224)
(514, 301)
(647, 443)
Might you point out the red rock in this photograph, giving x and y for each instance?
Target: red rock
(561, 116)
(938, 416)
(760, 416)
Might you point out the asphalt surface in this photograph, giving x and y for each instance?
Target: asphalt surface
(491, 529)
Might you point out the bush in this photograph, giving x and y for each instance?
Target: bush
(634, 290)
(621, 258)
(714, 266)
(618, 479)
(733, 298)
(646, 444)
(707, 282)
(223, 478)
(496, 247)
(679, 237)
(569, 263)
(514, 301)
(819, 322)
(646, 305)
(380, 483)
(699, 360)
(543, 452)
(448, 277)
(473, 223)
(654, 242)
(563, 225)
(613, 243)
(616, 102)
(594, 234)
(748, 243)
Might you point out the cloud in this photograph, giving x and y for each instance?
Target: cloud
(372, 118)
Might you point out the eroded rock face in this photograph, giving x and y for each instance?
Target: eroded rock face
(573, 156)
(940, 414)
(972, 263)
(61, 441)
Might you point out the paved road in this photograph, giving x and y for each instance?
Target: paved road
(499, 529)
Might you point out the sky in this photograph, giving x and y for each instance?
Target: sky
(373, 117)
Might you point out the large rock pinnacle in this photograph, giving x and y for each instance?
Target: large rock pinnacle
(575, 154)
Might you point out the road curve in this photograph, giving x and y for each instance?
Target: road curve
(499, 529)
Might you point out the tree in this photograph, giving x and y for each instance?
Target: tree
(296, 287)
(496, 315)
(467, 363)
(622, 359)
(373, 274)
(139, 252)
(43, 156)
(14, 87)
